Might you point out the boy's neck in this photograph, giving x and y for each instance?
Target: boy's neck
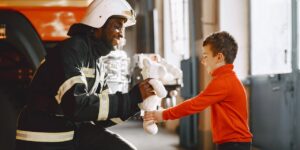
(218, 65)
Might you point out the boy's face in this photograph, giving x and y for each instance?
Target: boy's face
(210, 61)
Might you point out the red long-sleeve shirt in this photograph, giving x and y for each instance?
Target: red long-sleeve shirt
(227, 98)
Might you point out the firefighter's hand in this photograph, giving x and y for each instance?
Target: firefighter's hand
(155, 116)
(146, 89)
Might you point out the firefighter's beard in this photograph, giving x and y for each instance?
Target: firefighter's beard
(108, 46)
(121, 43)
(117, 44)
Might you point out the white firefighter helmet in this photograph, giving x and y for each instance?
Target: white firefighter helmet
(100, 10)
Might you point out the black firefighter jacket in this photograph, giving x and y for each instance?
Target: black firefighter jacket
(70, 87)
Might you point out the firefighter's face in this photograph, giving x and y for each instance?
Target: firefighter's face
(114, 31)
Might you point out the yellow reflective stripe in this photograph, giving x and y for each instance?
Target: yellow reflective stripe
(116, 120)
(67, 85)
(88, 72)
(43, 61)
(44, 136)
(103, 106)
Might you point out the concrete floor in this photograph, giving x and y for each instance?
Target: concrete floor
(132, 130)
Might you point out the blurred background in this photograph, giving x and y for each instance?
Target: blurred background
(268, 62)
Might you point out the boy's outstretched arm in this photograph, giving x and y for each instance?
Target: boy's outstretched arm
(215, 92)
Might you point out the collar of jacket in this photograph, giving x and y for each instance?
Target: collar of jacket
(228, 68)
(80, 29)
(100, 48)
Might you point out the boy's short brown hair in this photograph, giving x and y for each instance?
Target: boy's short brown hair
(222, 42)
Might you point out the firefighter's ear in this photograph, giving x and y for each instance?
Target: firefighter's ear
(98, 33)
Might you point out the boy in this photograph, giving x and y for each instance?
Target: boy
(225, 94)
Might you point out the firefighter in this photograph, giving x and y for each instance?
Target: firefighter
(69, 106)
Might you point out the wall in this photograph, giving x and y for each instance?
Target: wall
(234, 19)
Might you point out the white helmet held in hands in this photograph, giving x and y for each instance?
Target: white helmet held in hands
(100, 10)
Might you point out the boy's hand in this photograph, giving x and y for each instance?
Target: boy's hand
(155, 116)
(146, 89)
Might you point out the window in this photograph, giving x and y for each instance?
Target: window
(270, 36)
(237, 26)
(176, 31)
(298, 32)
(179, 25)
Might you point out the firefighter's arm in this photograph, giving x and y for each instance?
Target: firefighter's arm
(78, 105)
(140, 91)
